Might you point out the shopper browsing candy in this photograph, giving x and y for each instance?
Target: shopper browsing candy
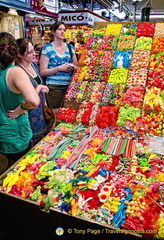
(16, 91)
(58, 61)
(26, 56)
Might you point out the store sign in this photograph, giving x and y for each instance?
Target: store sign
(23, 5)
(46, 7)
(77, 18)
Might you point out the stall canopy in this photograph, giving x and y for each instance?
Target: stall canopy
(21, 5)
(81, 17)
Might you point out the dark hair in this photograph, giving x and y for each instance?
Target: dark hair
(56, 25)
(22, 44)
(8, 49)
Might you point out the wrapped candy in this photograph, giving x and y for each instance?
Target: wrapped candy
(80, 93)
(92, 56)
(113, 94)
(129, 29)
(77, 74)
(88, 91)
(140, 59)
(158, 45)
(126, 42)
(137, 76)
(87, 113)
(67, 114)
(134, 96)
(143, 43)
(107, 58)
(118, 76)
(95, 39)
(72, 90)
(122, 59)
(146, 29)
(109, 42)
(83, 56)
(97, 92)
(113, 29)
(99, 73)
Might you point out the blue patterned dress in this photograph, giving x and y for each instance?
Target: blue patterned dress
(39, 125)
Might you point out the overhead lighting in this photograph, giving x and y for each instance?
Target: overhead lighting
(120, 15)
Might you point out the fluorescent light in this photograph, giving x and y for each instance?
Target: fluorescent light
(118, 14)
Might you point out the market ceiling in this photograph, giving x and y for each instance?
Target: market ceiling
(157, 6)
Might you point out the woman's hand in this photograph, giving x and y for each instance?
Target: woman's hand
(65, 67)
(42, 88)
(15, 113)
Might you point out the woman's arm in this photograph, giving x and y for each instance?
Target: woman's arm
(19, 82)
(44, 71)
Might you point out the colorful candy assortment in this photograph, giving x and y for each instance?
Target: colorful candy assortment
(137, 76)
(113, 94)
(118, 76)
(159, 29)
(109, 42)
(146, 30)
(157, 61)
(153, 100)
(107, 116)
(126, 42)
(129, 29)
(87, 113)
(67, 114)
(122, 59)
(113, 29)
(155, 78)
(128, 113)
(93, 175)
(143, 43)
(140, 59)
(134, 96)
(158, 45)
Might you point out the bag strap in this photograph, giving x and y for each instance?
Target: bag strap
(70, 50)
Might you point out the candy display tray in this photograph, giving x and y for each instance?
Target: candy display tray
(23, 219)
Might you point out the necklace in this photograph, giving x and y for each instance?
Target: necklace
(30, 71)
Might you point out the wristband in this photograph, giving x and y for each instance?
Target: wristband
(23, 106)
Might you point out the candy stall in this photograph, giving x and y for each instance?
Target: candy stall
(100, 172)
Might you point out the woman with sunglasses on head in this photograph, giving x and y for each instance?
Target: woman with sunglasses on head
(16, 91)
(57, 65)
(26, 57)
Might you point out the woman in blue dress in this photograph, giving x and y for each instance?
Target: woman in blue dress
(26, 60)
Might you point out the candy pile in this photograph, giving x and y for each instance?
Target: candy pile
(91, 173)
